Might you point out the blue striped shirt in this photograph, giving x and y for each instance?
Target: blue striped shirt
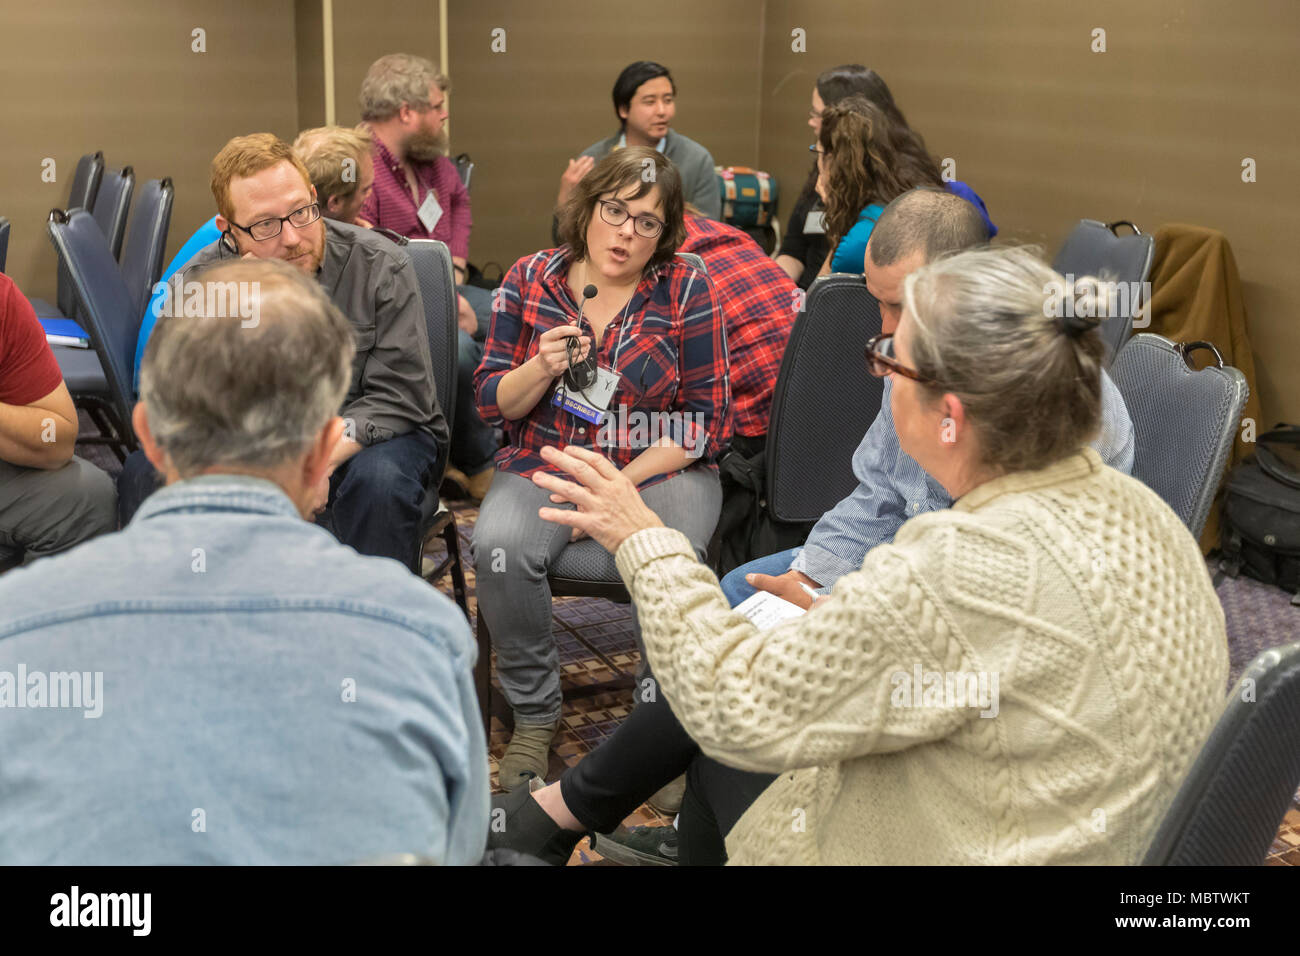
(892, 487)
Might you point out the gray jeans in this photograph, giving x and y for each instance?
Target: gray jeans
(513, 548)
(42, 512)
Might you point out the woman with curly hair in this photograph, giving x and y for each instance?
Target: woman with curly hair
(804, 246)
(864, 161)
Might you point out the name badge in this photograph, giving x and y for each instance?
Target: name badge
(591, 403)
(430, 212)
(815, 224)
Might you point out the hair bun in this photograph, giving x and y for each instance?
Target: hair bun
(1076, 325)
(1085, 305)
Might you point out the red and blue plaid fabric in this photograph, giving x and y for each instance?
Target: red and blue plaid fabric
(759, 301)
(668, 345)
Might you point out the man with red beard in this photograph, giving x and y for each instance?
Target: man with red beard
(395, 432)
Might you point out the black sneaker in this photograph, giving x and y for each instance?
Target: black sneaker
(517, 822)
(638, 846)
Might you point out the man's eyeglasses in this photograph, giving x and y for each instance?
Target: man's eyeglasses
(270, 228)
(647, 227)
(881, 361)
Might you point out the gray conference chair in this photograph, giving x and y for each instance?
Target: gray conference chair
(111, 205)
(694, 260)
(824, 401)
(112, 201)
(432, 262)
(83, 369)
(4, 242)
(142, 256)
(99, 380)
(81, 195)
(1184, 421)
(465, 167)
(1094, 248)
(1227, 811)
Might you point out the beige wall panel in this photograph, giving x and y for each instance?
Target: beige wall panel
(364, 30)
(1048, 132)
(82, 75)
(523, 113)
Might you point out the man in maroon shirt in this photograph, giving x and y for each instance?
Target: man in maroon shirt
(49, 500)
(418, 193)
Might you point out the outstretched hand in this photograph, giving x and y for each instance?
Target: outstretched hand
(609, 507)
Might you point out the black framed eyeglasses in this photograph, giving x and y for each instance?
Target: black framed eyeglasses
(647, 227)
(817, 148)
(270, 228)
(881, 361)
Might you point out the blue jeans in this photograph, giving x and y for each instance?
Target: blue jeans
(473, 441)
(376, 496)
(737, 589)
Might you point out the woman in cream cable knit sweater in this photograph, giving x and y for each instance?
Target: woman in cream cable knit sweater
(1066, 597)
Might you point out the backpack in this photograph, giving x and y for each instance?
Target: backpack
(746, 529)
(1260, 529)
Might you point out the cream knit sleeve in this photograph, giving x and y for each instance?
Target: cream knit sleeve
(813, 691)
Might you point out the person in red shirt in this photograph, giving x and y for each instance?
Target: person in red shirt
(760, 303)
(49, 499)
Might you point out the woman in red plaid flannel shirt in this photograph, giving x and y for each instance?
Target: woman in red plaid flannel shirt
(654, 321)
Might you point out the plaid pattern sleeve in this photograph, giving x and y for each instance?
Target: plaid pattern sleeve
(760, 304)
(668, 346)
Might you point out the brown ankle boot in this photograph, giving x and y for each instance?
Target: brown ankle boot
(528, 753)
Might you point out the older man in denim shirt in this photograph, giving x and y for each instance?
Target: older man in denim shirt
(222, 681)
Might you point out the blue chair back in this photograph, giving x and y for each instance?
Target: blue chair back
(142, 256)
(109, 310)
(111, 206)
(4, 242)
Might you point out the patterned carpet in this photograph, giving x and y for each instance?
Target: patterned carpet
(592, 635)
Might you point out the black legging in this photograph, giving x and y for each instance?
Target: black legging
(649, 750)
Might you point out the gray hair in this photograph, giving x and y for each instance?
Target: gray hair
(395, 80)
(986, 325)
(221, 391)
(933, 220)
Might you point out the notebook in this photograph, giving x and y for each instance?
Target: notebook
(65, 332)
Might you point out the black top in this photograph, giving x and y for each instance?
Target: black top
(809, 248)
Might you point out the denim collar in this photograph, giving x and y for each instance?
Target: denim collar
(218, 493)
